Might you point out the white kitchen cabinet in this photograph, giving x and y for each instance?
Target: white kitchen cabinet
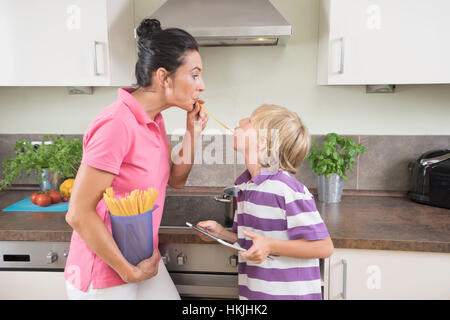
(32, 285)
(382, 274)
(67, 43)
(383, 42)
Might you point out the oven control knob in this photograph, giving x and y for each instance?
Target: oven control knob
(165, 258)
(181, 259)
(234, 260)
(52, 256)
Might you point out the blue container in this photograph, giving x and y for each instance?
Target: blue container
(134, 235)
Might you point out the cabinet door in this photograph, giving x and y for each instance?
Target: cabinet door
(388, 42)
(32, 285)
(53, 43)
(382, 274)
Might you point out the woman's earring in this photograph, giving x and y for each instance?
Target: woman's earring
(166, 83)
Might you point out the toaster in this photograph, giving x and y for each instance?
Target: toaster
(430, 178)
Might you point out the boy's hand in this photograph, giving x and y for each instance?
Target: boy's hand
(260, 249)
(209, 226)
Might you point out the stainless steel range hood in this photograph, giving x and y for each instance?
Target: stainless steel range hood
(226, 22)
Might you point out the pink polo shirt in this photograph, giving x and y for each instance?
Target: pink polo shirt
(123, 140)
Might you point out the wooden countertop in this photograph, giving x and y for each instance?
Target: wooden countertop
(358, 221)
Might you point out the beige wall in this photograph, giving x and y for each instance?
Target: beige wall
(241, 78)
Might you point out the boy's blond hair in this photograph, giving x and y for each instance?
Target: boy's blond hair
(287, 139)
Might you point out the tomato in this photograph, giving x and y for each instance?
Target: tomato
(43, 200)
(33, 197)
(65, 199)
(54, 195)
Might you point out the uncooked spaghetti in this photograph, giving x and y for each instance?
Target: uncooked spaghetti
(134, 203)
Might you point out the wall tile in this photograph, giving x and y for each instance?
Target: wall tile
(213, 165)
(383, 167)
(385, 164)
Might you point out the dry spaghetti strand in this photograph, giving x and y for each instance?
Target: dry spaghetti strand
(216, 119)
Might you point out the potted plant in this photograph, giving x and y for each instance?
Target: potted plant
(331, 164)
(56, 158)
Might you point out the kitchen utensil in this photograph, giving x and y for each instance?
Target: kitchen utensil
(229, 199)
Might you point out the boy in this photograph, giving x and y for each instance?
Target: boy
(276, 214)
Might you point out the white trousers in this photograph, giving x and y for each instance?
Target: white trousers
(160, 287)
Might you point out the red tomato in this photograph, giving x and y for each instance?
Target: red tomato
(54, 195)
(43, 200)
(65, 199)
(33, 197)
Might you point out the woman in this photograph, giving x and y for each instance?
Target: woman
(126, 147)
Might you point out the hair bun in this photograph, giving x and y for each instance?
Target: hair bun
(148, 27)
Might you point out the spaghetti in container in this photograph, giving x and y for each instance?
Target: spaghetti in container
(132, 223)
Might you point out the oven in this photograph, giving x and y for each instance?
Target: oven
(202, 271)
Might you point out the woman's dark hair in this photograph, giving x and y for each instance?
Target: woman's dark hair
(160, 48)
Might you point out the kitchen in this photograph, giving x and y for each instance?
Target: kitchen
(339, 77)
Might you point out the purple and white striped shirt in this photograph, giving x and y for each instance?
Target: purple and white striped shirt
(277, 205)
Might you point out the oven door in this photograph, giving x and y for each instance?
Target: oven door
(206, 286)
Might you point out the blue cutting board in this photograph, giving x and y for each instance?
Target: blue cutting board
(27, 205)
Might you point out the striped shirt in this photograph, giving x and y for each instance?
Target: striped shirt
(277, 205)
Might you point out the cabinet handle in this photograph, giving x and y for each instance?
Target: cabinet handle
(341, 66)
(95, 59)
(344, 279)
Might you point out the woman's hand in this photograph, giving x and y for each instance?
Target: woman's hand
(182, 162)
(197, 115)
(145, 269)
(212, 227)
(260, 249)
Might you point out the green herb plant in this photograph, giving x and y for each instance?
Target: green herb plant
(336, 156)
(62, 156)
